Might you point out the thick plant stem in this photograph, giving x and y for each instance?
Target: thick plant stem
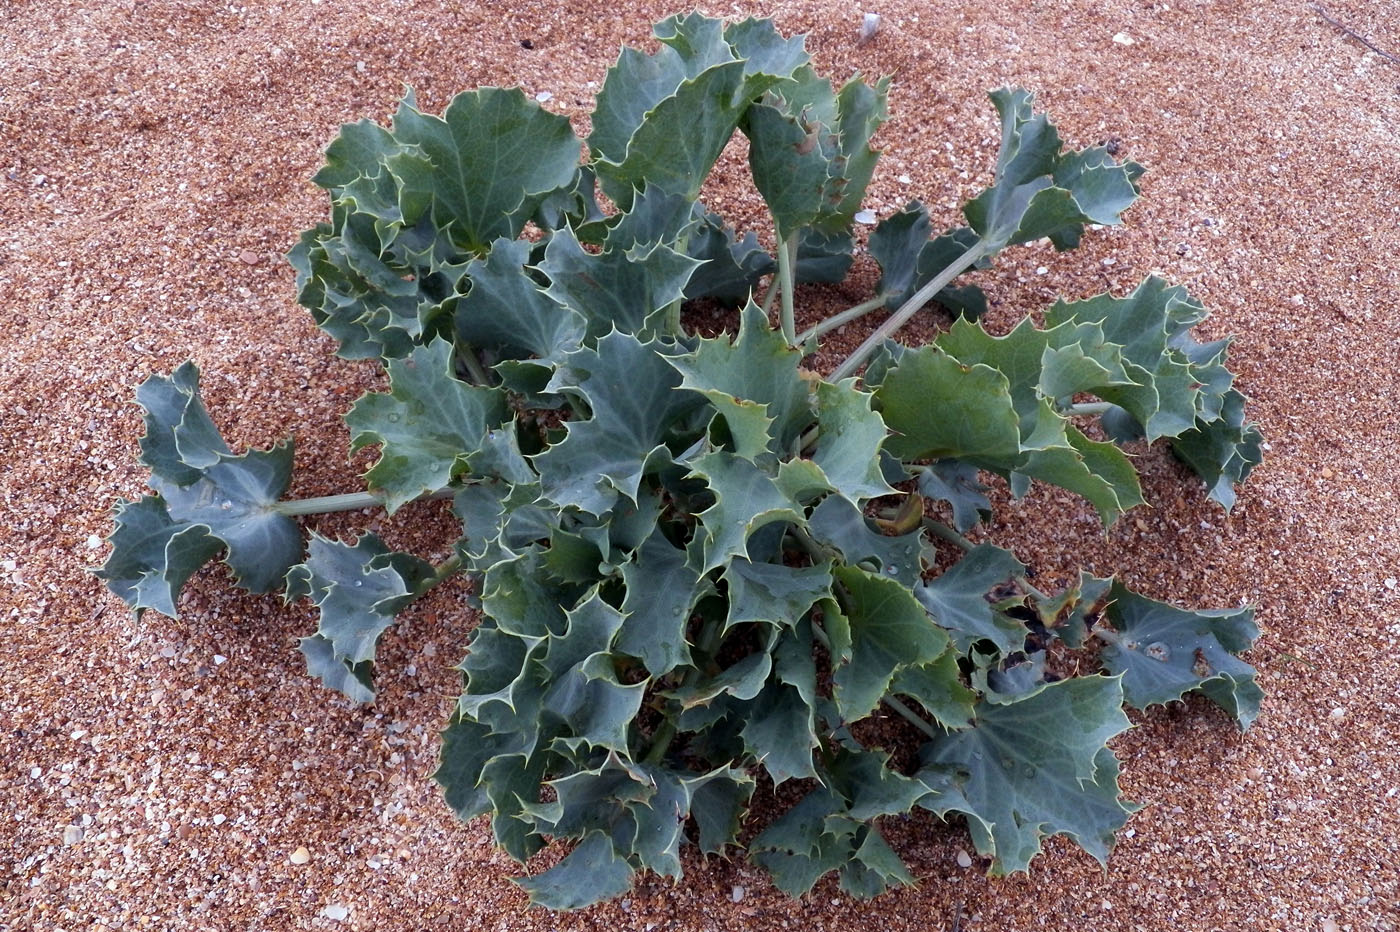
(845, 317)
(787, 252)
(467, 354)
(894, 703)
(661, 741)
(943, 531)
(907, 310)
(348, 501)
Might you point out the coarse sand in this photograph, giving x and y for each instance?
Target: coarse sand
(186, 774)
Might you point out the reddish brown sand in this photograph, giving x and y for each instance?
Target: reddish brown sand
(154, 165)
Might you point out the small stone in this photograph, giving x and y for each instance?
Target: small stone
(1338, 714)
(94, 541)
(1124, 39)
(72, 834)
(1390, 582)
(220, 819)
(1330, 925)
(1326, 473)
(1041, 269)
(866, 217)
(736, 895)
(869, 26)
(1106, 904)
(544, 96)
(248, 257)
(905, 179)
(35, 772)
(299, 856)
(964, 859)
(220, 659)
(336, 913)
(168, 653)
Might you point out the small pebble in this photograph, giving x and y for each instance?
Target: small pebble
(219, 659)
(335, 912)
(1326, 473)
(736, 895)
(1123, 39)
(72, 834)
(1339, 713)
(1390, 582)
(248, 257)
(1330, 925)
(964, 859)
(220, 819)
(36, 772)
(866, 217)
(544, 96)
(299, 856)
(94, 541)
(869, 26)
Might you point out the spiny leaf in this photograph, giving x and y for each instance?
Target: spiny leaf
(585, 692)
(840, 524)
(779, 731)
(152, 556)
(664, 119)
(1163, 652)
(746, 499)
(773, 593)
(938, 688)
(1034, 767)
(1222, 452)
(885, 629)
(849, 441)
(1040, 191)
(477, 192)
(956, 483)
(202, 483)
(809, 150)
(358, 590)
(910, 259)
(432, 427)
(753, 382)
(629, 388)
(508, 313)
(662, 588)
(959, 599)
(617, 288)
(591, 873)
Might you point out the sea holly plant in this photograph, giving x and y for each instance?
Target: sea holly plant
(698, 567)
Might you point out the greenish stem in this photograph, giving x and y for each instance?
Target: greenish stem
(908, 309)
(348, 501)
(943, 531)
(673, 317)
(893, 702)
(1029, 589)
(1088, 408)
(467, 353)
(444, 569)
(787, 252)
(772, 294)
(897, 705)
(845, 317)
(661, 741)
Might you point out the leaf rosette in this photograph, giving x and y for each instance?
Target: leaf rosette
(693, 560)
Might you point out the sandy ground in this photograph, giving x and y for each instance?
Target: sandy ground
(154, 164)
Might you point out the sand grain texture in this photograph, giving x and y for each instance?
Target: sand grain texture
(154, 164)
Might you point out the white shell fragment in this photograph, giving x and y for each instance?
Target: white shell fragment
(866, 217)
(869, 25)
